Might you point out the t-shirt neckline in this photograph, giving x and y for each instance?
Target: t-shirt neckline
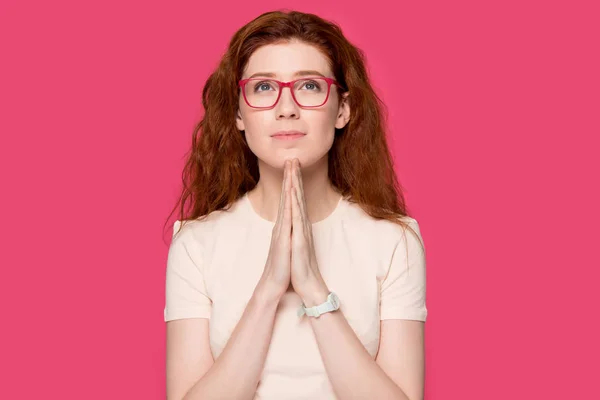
(330, 219)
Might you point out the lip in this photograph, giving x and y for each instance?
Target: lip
(288, 135)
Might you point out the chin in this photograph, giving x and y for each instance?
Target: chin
(280, 162)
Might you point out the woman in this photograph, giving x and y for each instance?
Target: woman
(294, 275)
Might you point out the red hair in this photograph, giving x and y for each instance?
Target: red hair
(220, 167)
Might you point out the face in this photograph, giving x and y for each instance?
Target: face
(318, 124)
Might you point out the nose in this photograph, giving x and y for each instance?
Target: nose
(286, 106)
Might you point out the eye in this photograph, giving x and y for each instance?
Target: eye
(262, 85)
(311, 85)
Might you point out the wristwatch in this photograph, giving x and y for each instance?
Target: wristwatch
(331, 304)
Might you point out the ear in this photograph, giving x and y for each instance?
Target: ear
(239, 122)
(343, 112)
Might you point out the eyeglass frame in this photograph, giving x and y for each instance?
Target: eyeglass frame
(282, 85)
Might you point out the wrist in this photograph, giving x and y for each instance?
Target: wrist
(266, 295)
(314, 295)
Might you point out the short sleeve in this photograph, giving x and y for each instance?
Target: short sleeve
(403, 288)
(185, 291)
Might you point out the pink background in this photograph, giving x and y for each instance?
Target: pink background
(494, 116)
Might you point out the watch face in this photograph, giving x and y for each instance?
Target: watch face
(335, 301)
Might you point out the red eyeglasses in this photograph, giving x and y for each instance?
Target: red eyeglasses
(264, 93)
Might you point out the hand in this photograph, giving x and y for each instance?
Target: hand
(305, 276)
(276, 275)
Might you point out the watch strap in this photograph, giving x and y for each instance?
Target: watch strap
(317, 310)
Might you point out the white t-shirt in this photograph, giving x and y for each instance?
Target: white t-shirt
(375, 267)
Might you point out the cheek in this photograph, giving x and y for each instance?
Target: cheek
(324, 126)
(321, 140)
(258, 139)
(256, 129)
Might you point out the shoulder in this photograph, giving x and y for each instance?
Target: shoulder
(201, 229)
(384, 231)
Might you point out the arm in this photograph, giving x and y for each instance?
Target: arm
(236, 372)
(402, 354)
(191, 372)
(350, 368)
(398, 371)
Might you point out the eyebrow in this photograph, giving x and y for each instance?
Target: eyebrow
(299, 73)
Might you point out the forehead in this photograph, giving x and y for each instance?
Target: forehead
(285, 59)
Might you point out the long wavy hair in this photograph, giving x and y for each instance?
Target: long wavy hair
(220, 167)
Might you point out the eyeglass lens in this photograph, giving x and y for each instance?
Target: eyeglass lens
(308, 92)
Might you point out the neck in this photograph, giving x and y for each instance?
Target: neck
(320, 196)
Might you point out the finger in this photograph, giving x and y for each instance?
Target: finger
(286, 226)
(304, 207)
(297, 224)
(293, 174)
(299, 171)
(300, 191)
(282, 195)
